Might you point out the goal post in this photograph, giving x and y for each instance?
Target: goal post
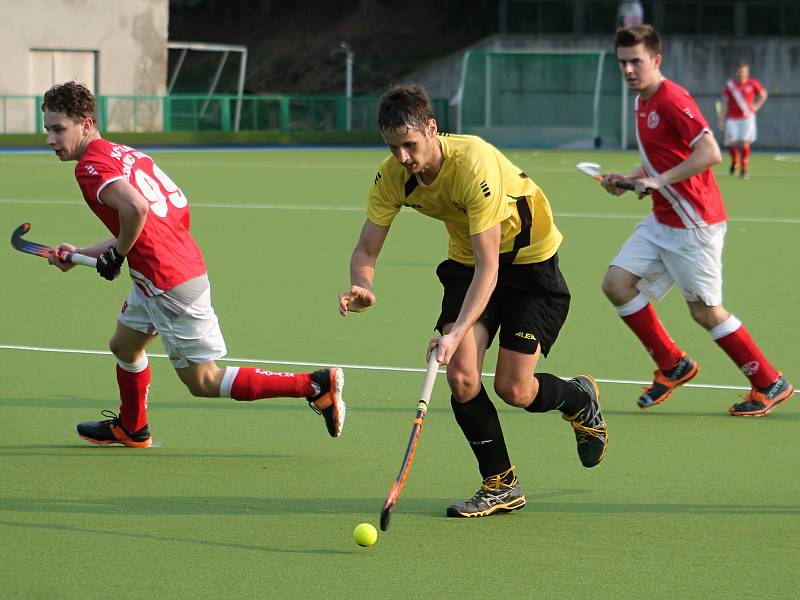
(224, 51)
(552, 99)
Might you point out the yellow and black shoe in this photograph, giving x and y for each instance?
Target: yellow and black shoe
(591, 431)
(328, 401)
(111, 431)
(494, 496)
(759, 402)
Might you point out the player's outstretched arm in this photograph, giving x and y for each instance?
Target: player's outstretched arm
(362, 269)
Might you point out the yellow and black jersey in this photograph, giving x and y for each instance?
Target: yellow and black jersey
(477, 188)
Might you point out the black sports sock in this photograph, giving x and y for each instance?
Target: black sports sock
(557, 394)
(481, 426)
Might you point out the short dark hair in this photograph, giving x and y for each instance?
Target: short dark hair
(71, 99)
(639, 34)
(404, 106)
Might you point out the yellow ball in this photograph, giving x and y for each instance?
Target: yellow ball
(365, 535)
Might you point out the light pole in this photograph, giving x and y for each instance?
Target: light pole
(349, 55)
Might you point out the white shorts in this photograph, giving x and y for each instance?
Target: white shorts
(192, 337)
(740, 130)
(689, 258)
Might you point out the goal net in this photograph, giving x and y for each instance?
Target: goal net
(543, 99)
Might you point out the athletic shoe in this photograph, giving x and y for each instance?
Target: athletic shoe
(744, 174)
(328, 400)
(591, 431)
(665, 382)
(111, 431)
(762, 401)
(494, 496)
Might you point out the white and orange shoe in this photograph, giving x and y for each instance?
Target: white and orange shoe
(328, 401)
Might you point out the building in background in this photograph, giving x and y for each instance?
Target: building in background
(115, 48)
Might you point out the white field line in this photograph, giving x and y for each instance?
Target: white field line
(362, 209)
(344, 366)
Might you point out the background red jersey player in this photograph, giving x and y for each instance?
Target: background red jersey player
(743, 97)
(681, 241)
(148, 216)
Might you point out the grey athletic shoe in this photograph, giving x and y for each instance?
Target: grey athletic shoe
(328, 401)
(494, 496)
(591, 431)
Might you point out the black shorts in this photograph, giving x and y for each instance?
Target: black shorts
(529, 304)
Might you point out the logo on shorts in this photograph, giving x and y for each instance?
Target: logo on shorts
(124, 307)
(525, 335)
(653, 120)
(750, 368)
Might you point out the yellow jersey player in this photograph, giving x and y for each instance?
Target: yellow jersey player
(501, 274)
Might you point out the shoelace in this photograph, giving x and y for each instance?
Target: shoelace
(753, 397)
(110, 414)
(591, 425)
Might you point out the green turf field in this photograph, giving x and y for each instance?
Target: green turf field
(253, 500)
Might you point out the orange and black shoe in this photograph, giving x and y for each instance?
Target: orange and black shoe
(111, 431)
(665, 382)
(759, 402)
(328, 400)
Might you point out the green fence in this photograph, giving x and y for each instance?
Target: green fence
(179, 112)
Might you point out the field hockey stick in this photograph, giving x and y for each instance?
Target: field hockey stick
(593, 170)
(416, 429)
(35, 249)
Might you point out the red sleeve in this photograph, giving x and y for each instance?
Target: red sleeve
(94, 171)
(758, 87)
(685, 117)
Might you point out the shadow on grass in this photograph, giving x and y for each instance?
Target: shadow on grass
(199, 506)
(191, 403)
(718, 414)
(80, 448)
(166, 538)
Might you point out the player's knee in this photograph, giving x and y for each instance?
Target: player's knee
(513, 392)
(122, 353)
(708, 317)
(202, 387)
(464, 384)
(617, 288)
(609, 286)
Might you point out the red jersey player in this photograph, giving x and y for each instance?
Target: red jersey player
(743, 96)
(681, 241)
(148, 216)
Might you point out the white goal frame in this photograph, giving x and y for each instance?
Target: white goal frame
(601, 55)
(225, 49)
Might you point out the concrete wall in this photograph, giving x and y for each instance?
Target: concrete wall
(700, 64)
(116, 48)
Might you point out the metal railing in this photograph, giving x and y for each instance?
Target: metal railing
(187, 112)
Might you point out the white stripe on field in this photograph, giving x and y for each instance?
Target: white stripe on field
(362, 209)
(294, 363)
